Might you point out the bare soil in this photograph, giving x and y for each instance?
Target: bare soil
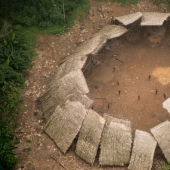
(130, 80)
(123, 65)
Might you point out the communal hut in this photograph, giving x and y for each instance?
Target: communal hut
(66, 107)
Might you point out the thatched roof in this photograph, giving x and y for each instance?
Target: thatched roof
(161, 133)
(91, 46)
(71, 63)
(111, 31)
(143, 151)
(154, 18)
(74, 82)
(65, 123)
(115, 142)
(65, 106)
(89, 137)
(129, 19)
(166, 105)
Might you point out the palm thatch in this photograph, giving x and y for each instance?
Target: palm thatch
(91, 46)
(65, 123)
(71, 63)
(74, 82)
(143, 151)
(112, 31)
(154, 18)
(166, 105)
(89, 137)
(129, 19)
(115, 142)
(161, 133)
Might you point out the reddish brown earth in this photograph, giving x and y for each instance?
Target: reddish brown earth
(130, 79)
(140, 59)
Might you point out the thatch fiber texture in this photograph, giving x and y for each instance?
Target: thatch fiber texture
(129, 19)
(115, 142)
(58, 93)
(111, 31)
(143, 151)
(161, 133)
(65, 123)
(166, 105)
(154, 18)
(89, 137)
(71, 63)
(91, 46)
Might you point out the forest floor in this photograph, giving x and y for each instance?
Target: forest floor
(36, 151)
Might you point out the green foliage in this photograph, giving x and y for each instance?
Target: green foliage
(36, 113)
(15, 56)
(7, 74)
(7, 158)
(165, 166)
(126, 2)
(28, 140)
(17, 42)
(167, 2)
(49, 16)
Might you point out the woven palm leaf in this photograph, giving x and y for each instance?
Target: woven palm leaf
(154, 18)
(143, 151)
(129, 19)
(161, 133)
(115, 142)
(89, 137)
(74, 82)
(65, 123)
(71, 63)
(91, 46)
(112, 31)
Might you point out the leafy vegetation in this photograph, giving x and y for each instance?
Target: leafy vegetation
(167, 2)
(15, 56)
(126, 2)
(53, 16)
(165, 166)
(17, 40)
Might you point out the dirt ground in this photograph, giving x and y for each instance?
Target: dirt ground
(128, 80)
(123, 65)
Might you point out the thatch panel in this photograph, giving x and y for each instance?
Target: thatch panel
(143, 151)
(59, 97)
(166, 105)
(115, 142)
(71, 63)
(78, 96)
(89, 137)
(74, 82)
(65, 123)
(129, 19)
(154, 18)
(91, 46)
(161, 133)
(111, 31)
